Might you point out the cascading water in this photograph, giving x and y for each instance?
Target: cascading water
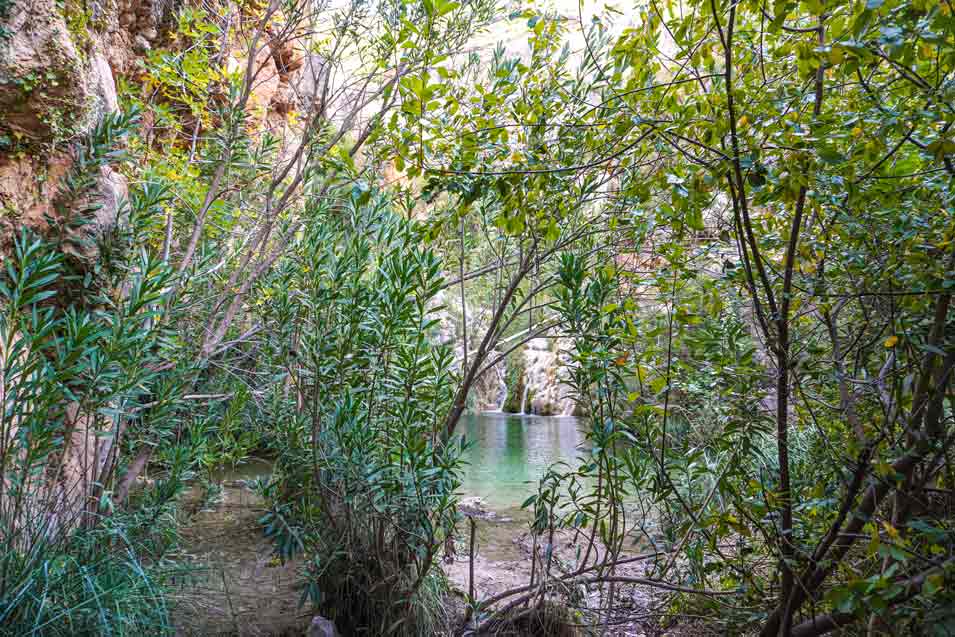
(524, 399)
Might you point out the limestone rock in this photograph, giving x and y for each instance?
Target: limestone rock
(106, 203)
(310, 79)
(44, 90)
(141, 44)
(287, 55)
(27, 186)
(145, 9)
(489, 391)
(283, 100)
(54, 87)
(545, 376)
(51, 88)
(101, 78)
(111, 191)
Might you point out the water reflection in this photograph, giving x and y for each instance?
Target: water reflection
(510, 452)
(507, 456)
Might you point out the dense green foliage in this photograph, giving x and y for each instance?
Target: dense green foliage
(735, 219)
(82, 387)
(364, 484)
(795, 155)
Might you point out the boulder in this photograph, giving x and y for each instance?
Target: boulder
(141, 44)
(321, 627)
(475, 507)
(103, 84)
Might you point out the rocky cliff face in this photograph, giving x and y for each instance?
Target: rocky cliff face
(59, 62)
(56, 83)
(546, 374)
(533, 381)
(541, 387)
(489, 391)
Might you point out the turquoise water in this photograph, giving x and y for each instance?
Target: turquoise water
(510, 452)
(507, 456)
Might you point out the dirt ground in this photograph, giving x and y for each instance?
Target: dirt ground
(503, 562)
(239, 589)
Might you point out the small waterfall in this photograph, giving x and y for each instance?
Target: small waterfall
(524, 399)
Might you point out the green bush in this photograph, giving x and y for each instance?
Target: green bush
(85, 379)
(365, 485)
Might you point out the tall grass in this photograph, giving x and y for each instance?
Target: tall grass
(92, 584)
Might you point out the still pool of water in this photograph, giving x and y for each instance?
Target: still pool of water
(510, 452)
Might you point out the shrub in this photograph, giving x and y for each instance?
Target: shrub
(365, 483)
(84, 378)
